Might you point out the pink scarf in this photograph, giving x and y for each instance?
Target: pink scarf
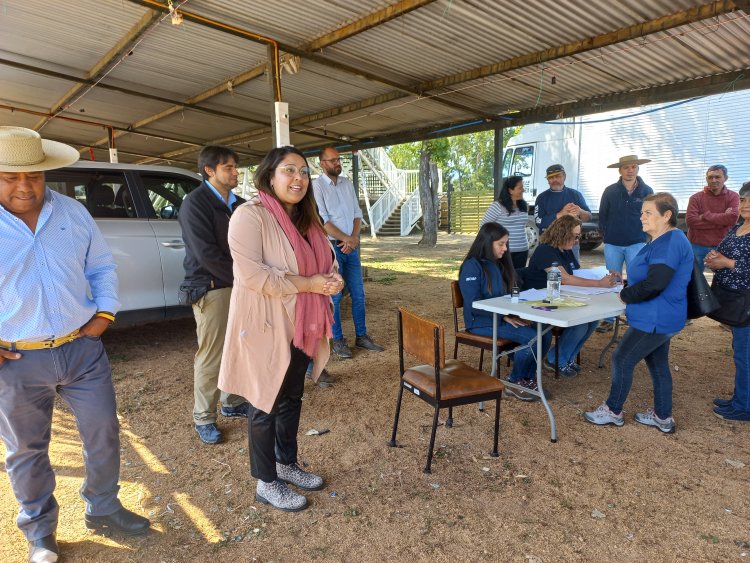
(313, 317)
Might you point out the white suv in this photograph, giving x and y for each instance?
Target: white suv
(136, 208)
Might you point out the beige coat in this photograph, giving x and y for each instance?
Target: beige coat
(262, 310)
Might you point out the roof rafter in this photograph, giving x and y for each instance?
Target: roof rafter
(149, 20)
(663, 23)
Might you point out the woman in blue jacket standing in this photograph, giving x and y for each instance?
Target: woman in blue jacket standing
(656, 299)
(486, 272)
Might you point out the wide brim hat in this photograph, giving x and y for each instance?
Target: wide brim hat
(24, 150)
(629, 159)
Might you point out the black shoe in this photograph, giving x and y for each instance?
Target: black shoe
(123, 521)
(44, 550)
(239, 411)
(325, 379)
(367, 343)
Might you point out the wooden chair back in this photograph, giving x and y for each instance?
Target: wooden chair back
(423, 339)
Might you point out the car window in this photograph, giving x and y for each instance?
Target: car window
(104, 194)
(523, 161)
(165, 193)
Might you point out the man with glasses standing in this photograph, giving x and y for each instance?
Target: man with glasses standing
(204, 218)
(342, 218)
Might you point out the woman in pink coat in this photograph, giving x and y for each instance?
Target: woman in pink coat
(279, 319)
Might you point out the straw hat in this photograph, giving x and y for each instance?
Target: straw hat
(23, 150)
(629, 159)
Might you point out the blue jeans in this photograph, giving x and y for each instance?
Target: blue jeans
(635, 346)
(350, 269)
(741, 345)
(524, 361)
(570, 342)
(79, 372)
(615, 256)
(700, 253)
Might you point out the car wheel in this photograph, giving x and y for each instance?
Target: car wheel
(532, 235)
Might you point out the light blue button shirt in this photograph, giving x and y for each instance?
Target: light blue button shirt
(232, 197)
(337, 203)
(47, 277)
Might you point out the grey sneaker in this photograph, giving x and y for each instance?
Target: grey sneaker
(649, 418)
(325, 379)
(341, 349)
(367, 343)
(44, 550)
(602, 415)
(518, 394)
(295, 475)
(278, 495)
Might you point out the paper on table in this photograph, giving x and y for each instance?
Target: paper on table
(578, 290)
(592, 273)
(533, 294)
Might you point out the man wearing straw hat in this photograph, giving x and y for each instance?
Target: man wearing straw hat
(620, 218)
(51, 253)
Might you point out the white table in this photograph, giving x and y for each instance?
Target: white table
(597, 307)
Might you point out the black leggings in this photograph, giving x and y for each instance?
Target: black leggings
(273, 436)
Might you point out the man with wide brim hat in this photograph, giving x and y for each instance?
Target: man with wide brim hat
(52, 252)
(620, 217)
(560, 200)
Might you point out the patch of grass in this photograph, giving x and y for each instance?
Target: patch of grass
(387, 280)
(352, 512)
(567, 503)
(710, 538)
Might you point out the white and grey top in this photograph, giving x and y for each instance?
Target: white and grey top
(515, 222)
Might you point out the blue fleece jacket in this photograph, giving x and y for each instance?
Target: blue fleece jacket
(620, 213)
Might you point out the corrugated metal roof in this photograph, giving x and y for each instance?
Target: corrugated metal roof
(369, 86)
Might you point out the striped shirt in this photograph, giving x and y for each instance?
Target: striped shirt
(46, 276)
(515, 223)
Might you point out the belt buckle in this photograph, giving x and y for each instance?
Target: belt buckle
(48, 343)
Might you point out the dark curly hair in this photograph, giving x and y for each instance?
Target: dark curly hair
(560, 231)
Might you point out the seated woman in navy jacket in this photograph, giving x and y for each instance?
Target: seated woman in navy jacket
(557, 246)
(487, 271)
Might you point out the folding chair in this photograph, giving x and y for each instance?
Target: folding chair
(467, 338)
(439, 382)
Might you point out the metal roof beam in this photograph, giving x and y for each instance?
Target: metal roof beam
(367, 22)
(699, 87)
(307, 50)
(663, 23)
(149, 20)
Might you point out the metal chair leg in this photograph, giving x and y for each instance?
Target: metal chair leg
(494, 452)
(392, 443)
(449, 422)
(481, 358)
(428, 467)
(611, 342)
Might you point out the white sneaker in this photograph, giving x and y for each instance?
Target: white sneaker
(295, 475)
(602, 415)
(649, 418)
(278, 495)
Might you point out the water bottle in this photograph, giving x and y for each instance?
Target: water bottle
(553, 283)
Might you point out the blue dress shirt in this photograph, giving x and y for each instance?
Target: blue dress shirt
(231, 200)
(48, 276)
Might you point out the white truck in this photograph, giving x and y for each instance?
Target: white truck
(682, 140)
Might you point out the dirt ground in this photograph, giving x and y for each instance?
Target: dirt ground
(599, 494)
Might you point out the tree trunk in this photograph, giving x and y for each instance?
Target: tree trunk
(428, 197)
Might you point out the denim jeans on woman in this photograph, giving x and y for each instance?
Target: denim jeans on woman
(635, 346)
(524, 361)
(741, 345)
(570, 342)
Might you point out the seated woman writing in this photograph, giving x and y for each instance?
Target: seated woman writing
(486, 272)
(557, 244)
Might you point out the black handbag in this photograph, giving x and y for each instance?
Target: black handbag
(734, 307)
(700, 299)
